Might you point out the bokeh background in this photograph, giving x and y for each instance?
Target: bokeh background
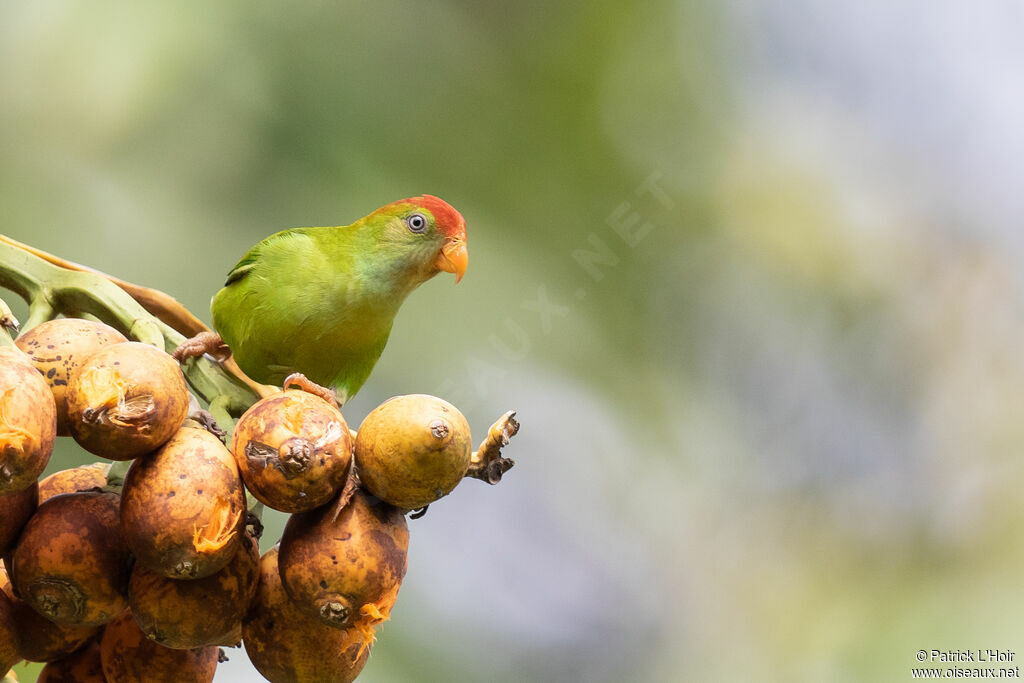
(749, 272)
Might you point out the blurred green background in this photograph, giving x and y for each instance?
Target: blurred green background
(747, 270)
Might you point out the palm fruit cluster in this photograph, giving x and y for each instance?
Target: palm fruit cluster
(146, 577)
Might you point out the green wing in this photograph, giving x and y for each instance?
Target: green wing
(248, 262)
(240, 270)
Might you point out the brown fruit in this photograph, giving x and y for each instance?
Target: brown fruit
(412, 450)
(81, 478)
(71, 562)
(57, 347)
(337, 566)
(15, 510)
(293, 450)
(128, 656)
(28, 422)
(183, 507)
(287, 646)
(126, 400)
(44, 641)
(189, 614)
(83, 666)
(8, 633)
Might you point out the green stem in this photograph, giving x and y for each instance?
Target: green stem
(116, 474)
(39, 311)
(50, 290)
(220, 409)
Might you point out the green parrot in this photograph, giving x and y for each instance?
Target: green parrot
(321, 301)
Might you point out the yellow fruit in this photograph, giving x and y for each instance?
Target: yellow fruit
(76, 479)
(126, 400)
(57, 347)
(83, 666)
(288, 646)
(39, 639)
(189, 614)
(412, 450)
(71, 563)
(28, 422)
(128, 656)
(293, 450)
(183, 507)
(15, 510)
(336, 566)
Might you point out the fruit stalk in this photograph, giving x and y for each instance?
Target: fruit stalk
(51, 289)
(487, 463)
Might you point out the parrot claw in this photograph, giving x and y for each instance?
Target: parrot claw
(204, 342)
(297, 379)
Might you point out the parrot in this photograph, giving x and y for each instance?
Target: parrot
(321, 301)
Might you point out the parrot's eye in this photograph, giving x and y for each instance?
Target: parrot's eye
(417, 222)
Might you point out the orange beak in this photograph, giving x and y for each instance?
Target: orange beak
(453, 257)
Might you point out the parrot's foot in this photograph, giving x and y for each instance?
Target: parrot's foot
(486, 463)
(204, 342)
(297, 379)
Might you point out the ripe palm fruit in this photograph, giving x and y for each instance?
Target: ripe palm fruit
(28, 422)
(183, 507)
(41, 640)
(71, 563)
(293, 450)
(8, 633)
(15, 510)
(57, 347)
(288, 646)
(82, 666)
(76, 479)
(190, 614)
(340, 566)
(126, 400)
(412, 450)
(128, 656)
